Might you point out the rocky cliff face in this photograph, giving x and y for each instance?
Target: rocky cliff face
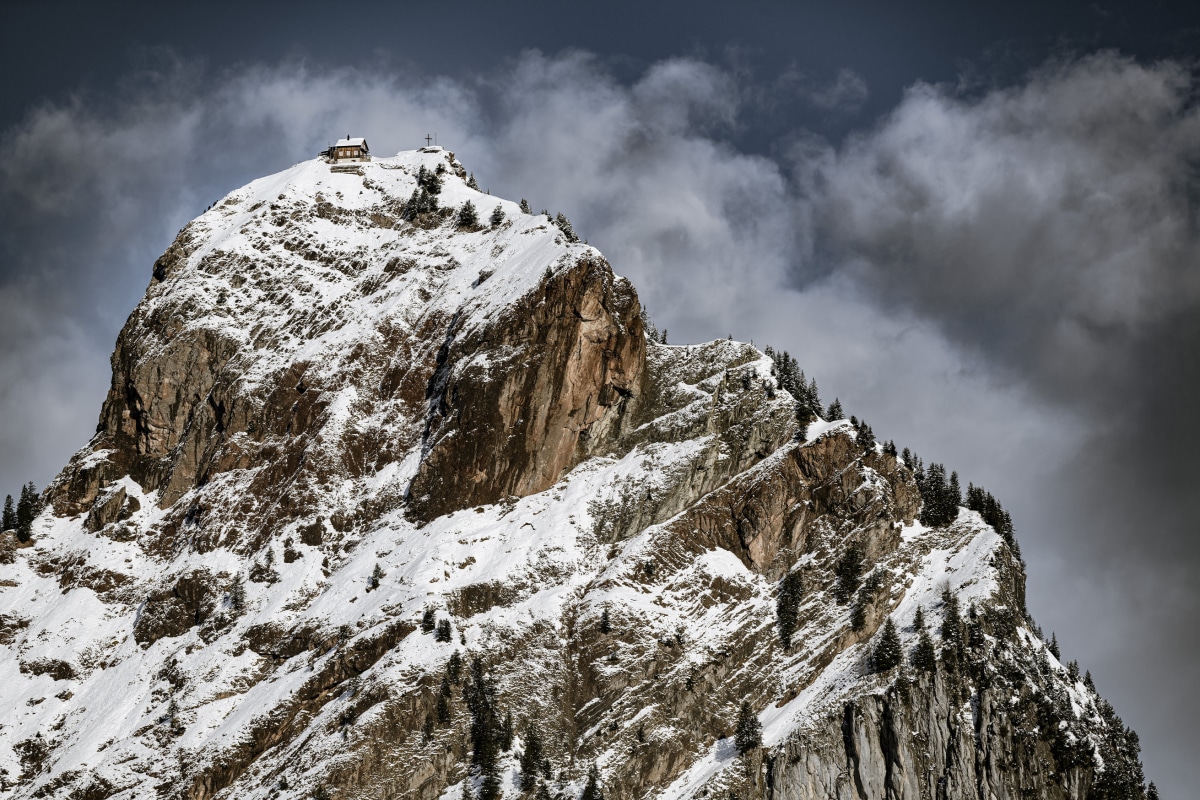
(373, 493)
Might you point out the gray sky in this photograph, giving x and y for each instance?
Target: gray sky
(978, 231)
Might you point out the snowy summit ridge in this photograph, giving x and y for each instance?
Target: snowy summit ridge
(391, 491)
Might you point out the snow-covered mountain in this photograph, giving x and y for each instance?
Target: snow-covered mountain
(379, 494)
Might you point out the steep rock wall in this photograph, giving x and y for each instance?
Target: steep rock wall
(509, 403)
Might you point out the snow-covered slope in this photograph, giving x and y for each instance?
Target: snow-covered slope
(349, 447)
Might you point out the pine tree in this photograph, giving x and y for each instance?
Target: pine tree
(472, 183)
(939, 503)
(791, 591)
(952, 638)
(497, 217)
(376, 577)
(563, 224)
(525, 209)
(479, 694)
(887, 652)
(933, 510)
(902, 683)
(804, 417)
(442, 633)
(835, 410)
(605, 622)
(1042, 661)
(858, 614)
(10, 515)
(748, 734)
(808, 401)
(412, 206)
(428, 621)
(849, 572)
(866, 436)
(28, 507)
(429, 181)
(531, 757)
(1151, 791)
(924, 657)
(975, 635)
(468, 217)
(422, 201)
(1119, 751)
(505, 734)
(489, 787)
(1053, 646)
(955, 494)
(237, 594)
(467, 794)
(454, 667)
(591, 790)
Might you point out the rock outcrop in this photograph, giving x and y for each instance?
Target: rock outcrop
(375, 499)
(508, 405)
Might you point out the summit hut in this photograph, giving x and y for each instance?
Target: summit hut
(349, 150)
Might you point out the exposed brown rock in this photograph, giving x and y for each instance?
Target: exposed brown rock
(173, 611)
(56, 669)
(281, 724)
(565, 359)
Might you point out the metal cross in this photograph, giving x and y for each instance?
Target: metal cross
(428, 139)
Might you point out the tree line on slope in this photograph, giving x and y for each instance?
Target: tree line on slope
(422, 206)
(962, 637)
(978, 652)
(19, 517)
(964, 660)
(941, 495)
(491, 730)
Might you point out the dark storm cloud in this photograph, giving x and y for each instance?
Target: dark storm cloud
(1003, 279)
(1051, 224)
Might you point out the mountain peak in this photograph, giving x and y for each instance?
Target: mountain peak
(383, 492)
(325, 278)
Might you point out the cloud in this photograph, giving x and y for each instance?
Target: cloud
(842, 96)
(1050, 224)
(847, 92)
(1003, 280)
